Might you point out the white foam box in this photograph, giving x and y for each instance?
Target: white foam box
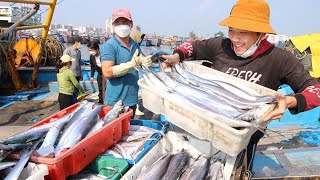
(199, 122)
(174, 142)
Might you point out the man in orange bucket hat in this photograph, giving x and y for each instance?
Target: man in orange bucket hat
(248, 55)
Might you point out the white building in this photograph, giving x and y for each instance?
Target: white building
(109, 29)
(83, 29)
(62, 31)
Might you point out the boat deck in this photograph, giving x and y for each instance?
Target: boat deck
(18, 115)
(295, 156)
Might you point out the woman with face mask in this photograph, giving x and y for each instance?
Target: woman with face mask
(95, 64)
(66, 81)
(119, 55)
(248, 55)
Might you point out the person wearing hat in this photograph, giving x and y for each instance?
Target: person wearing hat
(66, 81)
(119, 55)
(248, 55)
(75, 53)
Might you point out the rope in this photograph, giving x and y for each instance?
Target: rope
(4, 71)
(52, 51)
(48, 8)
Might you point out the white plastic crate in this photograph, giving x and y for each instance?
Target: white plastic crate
(201, 123)
(174, 142)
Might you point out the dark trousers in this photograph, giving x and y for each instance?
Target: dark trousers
(65, 100)
(75, 92)
(99, 81)
(134, 107)
(251, 148)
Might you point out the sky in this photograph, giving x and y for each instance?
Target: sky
(180, 17)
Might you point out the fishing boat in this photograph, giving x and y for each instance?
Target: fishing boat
(146, 42)
(70, 38)
(156, 41)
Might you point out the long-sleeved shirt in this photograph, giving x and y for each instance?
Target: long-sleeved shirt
(76, 54)
(95, 65)
(67, 81)
(269, 66)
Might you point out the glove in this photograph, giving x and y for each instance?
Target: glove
(146, 60)
(124, 68)
(137, 36)
(83, 95)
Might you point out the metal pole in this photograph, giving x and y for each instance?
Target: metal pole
(28, 27)
(43, 40)
(20, 21)
(48, 20)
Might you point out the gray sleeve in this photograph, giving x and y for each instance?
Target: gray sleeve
(66, 51)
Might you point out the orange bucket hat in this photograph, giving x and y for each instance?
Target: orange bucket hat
(250, 15)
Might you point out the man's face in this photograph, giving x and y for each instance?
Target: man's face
(121, 21)
(242, 40)
(77, 44)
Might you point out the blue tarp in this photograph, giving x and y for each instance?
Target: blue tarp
(24, 95)
(38, 91)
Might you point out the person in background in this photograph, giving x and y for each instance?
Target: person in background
(66, 81)
(85, 40)
(75, 53)
(119, 55)
(95, 64)
(97, 40)
(247, 55)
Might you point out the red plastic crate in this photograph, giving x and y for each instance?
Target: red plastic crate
(73, 160)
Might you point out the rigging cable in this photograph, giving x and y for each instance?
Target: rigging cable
(48, 8)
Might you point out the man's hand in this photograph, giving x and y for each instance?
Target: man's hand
(124, 68)
(136, 59)
(172, 59)
(284, 102)
(91, 79)
(146, 60)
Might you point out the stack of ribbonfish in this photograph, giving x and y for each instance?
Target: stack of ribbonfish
(239, 104)
(51, 139)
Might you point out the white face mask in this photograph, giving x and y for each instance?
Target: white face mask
(251, 50)
(122, 30)
(93, 53)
